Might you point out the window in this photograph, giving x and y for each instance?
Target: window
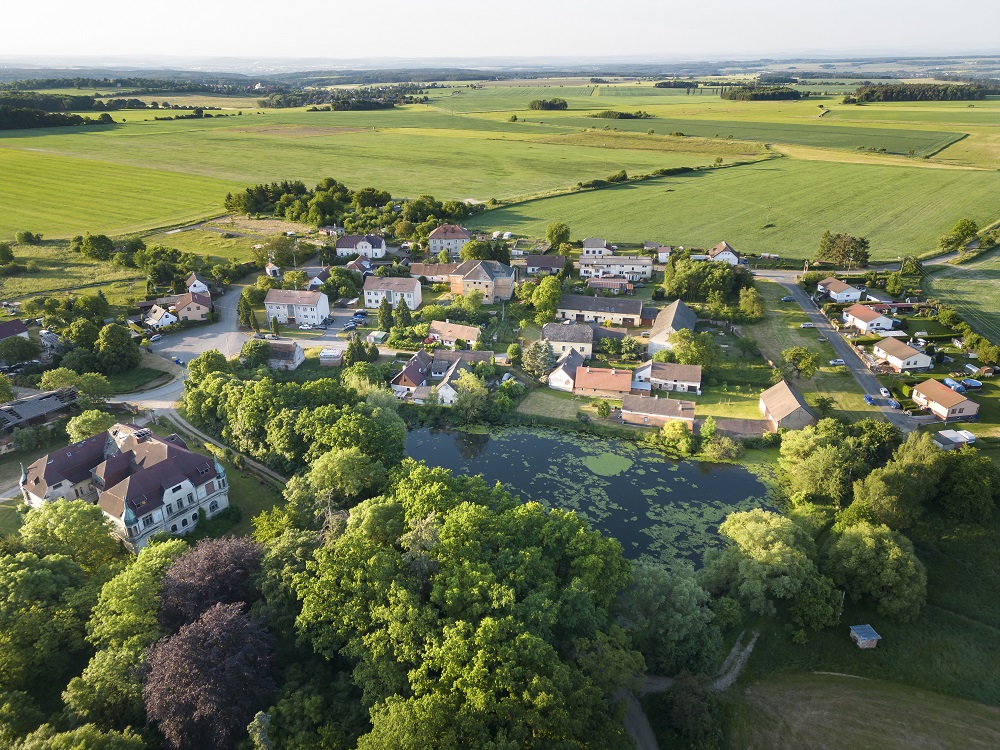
(170, 509)
(213, 506)
(173, 528)
(176, 489)
(190, 498)
(184, 522)
(194, 517)
(147, 522)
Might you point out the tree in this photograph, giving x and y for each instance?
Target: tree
(876, 562)
(16, 349)
(823, 406)
(476, 250)
(255, 353)
(894, 284)
(96, 246)
(443, 257)
(206, 682)
(244, 312)
(539, 358)
(6, 390)
(6, 254)
(80, 361)
(88, 736)
(215, 571)
(546, 298)
(514, 354)
(74, 528)
(205, 364)
(751, 304)
(676, 439)
(345, 475)
(630, 349)
(60, 377)
(767, 557)
(668, 615)
(970, 486)
(88, 424)
(708, 428)
(294, 280)
(603, 409)
(115, 349)
(82, 332)
(802, 360)
(690, 348)
(28, 238)
(385, 314)
(472, 399)
(402, 316)
(557, 234)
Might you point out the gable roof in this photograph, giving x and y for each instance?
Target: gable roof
(483, 270)
(896, 348)
(781, 400)
(449, 232)
(863, 313)
(410, 376)
(575, 333)
(350, 241)
(673, 317)
(602, 379)
(837, 286)
(391, 284)
(291, 297)
(10, 328)
(659, 407)
(195, 276)
(432, 269)
(569, 362)
(283, 351)
(359, 264)
(24, 409)
(546, 261)
(674, 371)
(445, 358)
(939, 393)
(192, 297)
(595, 242)
(721, 248)
(157, 313)
(613, 305)
(324, 272)
(452, 331)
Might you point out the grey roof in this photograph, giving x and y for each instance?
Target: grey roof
(781, 400)
(674, 371)
(457, 368)
(569, 362)
(575, 333)
(674, 317)
(658, 407)
(195, 276)
(613, 305)
(291, 297)
(391, 284)
(283, 351)
(546, 261)
(483, 270)
(22, 410)
(350, 241)
(595, 242)
(445, 358)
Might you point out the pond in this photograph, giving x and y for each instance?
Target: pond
(657, 508)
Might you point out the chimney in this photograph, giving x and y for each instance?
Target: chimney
(613, 372)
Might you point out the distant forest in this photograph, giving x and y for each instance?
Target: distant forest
(919, 92)
(761, 93)
(17, 118)
(341, 100)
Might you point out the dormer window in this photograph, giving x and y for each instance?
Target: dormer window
(176, 489)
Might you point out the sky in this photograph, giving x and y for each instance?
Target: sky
(579, 29)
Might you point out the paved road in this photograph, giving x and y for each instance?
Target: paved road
(868, 382)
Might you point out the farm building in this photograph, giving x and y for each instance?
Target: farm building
(544, 265)
(435, 273)
(574, 336)
(583, 309)
(40, 408)
(656, 412)
(667, 376)
(864, 636)
(943, 402)
(368, 245)
(672, 318)
(597, 381)
(613, 284)
(783, 407)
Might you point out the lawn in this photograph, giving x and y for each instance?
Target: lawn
(60, 270)
(780, 206)
(138, 378)
(546, 402)
(972, 289)
(843, 713)
(215, 247)
(10, 521)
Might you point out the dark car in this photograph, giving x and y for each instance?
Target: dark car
(788, 298)
(349, 327)
(893, 403)
(869, 400)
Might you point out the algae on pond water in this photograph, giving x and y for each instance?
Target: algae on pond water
(657, 508)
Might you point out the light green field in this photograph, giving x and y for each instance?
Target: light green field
(61, 270)
(213, 245)
(972, 289)
(901, 210)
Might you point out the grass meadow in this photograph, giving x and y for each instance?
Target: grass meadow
(972, 289)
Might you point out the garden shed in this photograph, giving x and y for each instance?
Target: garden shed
(864, 636)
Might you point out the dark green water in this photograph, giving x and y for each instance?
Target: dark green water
(666, 510)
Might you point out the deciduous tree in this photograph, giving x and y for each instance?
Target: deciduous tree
(88, 424)
(115, 349)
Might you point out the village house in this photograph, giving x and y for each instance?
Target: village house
(369, 245)
(491, 277)
(563, 378)
(284, 355)
(838, 291)
(448, 333)
(332, 231)
(662, 251)
(565, 337)
(656, 412)
(585, 309)
(613, 285)
(544, 265)
(197, 284)
(450, 237)
(145, 484)
(865, 319)
(901, 357)
(595, 247)
(667, 376)
(361, 265)
(318, 279)
(434, 273)
(674, 317)
(631, 267)
(193, 307)
(447, 389)
(15, 327)
(943, 402)
(394, 288)
(293, 306)
(445, 358)
(39, 408)
(598, 381)
(724, 253)
(159, 317)
(412, 376)
(783, 407)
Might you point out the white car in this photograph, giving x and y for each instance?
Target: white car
(807, 325)
(155, 337)
(305, 327)
(885, 392)
(836, 362)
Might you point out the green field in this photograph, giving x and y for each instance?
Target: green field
(972, 289)
(901, 210)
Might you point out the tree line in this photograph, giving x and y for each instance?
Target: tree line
(344, 100)
(918, 92)
(761, 93)
(610, 114)
(556, 103)
(23, 118)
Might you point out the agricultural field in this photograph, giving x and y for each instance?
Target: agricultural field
(779, 206)
(62, 271)
(972, 289)
(214, 246)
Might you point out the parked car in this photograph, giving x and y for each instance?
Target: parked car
(893, 403)
(869, 400)
(156, 337)
(320, 327)
(178, 361)
(349, 327)
(788, 298)
(305, 327)
(836, 362)
(807, 325)
(886, 393)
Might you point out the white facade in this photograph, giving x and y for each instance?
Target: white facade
(726, 256)
(395, 288)
(865, 319)
(631, 267)
(560, 380)
(901, 357)
(197, 286)
(450, 237)
(595, 247)
(289, 306)
(369, 246)
(160, 318)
